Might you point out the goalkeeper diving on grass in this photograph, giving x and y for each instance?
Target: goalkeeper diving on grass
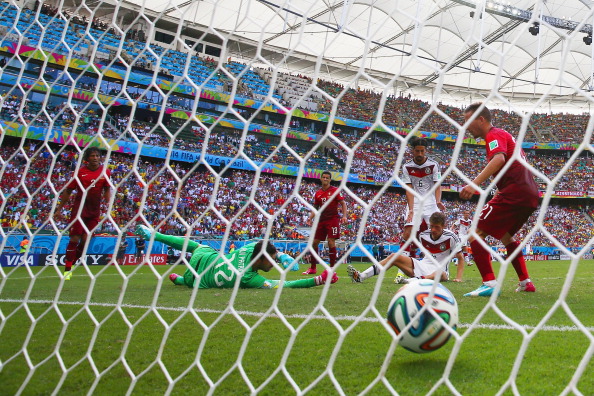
(214, 271)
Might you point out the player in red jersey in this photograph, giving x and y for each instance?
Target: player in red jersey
(92, 185)
(329, 223)
(510, 208)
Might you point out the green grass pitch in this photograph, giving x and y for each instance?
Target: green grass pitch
(162, 343)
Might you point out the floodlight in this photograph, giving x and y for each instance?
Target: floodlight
(534, 29)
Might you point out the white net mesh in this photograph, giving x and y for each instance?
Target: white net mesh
(215, 121)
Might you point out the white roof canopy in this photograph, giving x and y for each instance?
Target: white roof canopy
(432, 49)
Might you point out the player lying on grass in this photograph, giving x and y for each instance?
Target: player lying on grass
(439, 241)
(216, 272)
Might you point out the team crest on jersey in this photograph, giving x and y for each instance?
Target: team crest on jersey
(427, 170)
(442, 247)
(493, 145)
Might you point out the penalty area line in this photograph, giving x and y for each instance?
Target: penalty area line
(289, 316)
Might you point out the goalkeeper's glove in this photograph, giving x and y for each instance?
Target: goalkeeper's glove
(321, 279)
(287, 261)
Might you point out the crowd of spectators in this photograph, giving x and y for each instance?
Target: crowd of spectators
(29, 197)
(117, 127)
(374, 156)
(577, 177)
(569, 225)
(75, 18)
(62, 115)
(233, 203)
(223, 142)
(406, 112)
(400, 111)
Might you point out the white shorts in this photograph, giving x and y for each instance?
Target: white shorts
(462, 241)
(427, 267)
(427, 212)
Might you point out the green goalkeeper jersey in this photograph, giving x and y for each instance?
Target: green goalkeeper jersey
(224, 273)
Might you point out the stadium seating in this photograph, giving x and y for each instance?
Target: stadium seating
(251, 80)
(294, 89)
(375, 156)
(571, 225)
(358, 104)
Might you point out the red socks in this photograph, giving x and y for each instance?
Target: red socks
(314, 260)
(71, 252)
(518, 262)
(332, 256)
(74, 251)
(482, 258)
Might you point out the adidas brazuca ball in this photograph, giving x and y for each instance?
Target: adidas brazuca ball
(426, 334)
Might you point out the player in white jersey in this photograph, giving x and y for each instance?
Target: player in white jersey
(463, 226)
(420, 175)
(438, 241)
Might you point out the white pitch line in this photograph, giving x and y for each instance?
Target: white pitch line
(292, 316)
(150, 273)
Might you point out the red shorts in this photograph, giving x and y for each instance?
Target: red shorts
(77, 226)
(328, 229)
(499, 218)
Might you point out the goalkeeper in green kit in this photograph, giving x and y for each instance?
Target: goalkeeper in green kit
(215, 272)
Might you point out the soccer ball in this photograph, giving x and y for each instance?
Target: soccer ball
(426, 334)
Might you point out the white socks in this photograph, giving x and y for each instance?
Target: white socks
(369, 272)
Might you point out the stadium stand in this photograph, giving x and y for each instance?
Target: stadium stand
(294, 90)
(375, 153)
(357, 104)
(571, 225)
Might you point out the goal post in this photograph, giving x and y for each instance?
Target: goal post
(215, 121)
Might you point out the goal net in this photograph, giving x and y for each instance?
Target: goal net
(215, 121)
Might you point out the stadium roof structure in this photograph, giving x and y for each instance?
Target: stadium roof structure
(533, 54)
